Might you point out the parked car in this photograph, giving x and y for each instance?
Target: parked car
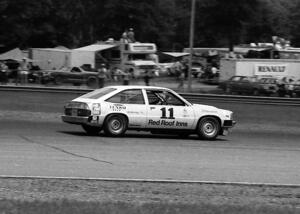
(75, 75)
(197, 69)
(116, 109)
(166, 68)
(268, 86)
(250, 85)
(225, 85)
(296, 90)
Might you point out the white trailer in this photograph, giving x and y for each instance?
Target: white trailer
(134, 57)
(259, 67)
(51, 58)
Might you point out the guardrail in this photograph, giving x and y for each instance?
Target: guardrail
(192, 97)
(198, 98)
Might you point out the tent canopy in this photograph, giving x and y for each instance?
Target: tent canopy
(14, 54)
(95, 47)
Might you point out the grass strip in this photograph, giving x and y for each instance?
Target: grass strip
(89, 196)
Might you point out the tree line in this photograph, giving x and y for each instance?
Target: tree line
(218, 23)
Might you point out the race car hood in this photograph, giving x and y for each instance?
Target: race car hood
(206, 108)
(226, 114)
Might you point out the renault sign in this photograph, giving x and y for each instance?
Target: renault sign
(268, 69)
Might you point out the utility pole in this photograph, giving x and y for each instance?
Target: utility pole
(191, 45)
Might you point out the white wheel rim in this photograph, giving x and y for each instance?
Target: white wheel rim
(209, 128)
(115, 125)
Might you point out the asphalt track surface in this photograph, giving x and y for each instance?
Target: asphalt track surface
(264, 147)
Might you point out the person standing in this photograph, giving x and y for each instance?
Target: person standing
(185, 69)
(181, 78)
(130, 35)
(124, 37)
(101, 75)
(126, 77)
(23, 71)
(3, 73)
(178, 68)
(214, 71)
(147, 77)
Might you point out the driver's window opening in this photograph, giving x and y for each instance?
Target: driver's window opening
(163, 98)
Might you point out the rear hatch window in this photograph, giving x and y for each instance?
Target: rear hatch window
(98, 93)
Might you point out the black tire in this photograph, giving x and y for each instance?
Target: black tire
(115, 125)
(92, 82)
(58, 80)
(228, 90)
(256, 92)
(91, 130)
(208, 128)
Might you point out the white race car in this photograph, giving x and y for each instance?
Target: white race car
(116, 109)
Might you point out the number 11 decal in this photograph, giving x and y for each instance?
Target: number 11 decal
(164, 113)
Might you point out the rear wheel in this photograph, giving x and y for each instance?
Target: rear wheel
(208, 128)
(91, 130)
(92, 82)
(115, 125)
(58, 80)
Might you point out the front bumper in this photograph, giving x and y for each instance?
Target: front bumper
(226, 126)
(75, 119)
(229, 123)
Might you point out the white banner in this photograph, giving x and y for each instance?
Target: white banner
(265, 69)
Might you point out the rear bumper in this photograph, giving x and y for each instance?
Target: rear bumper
(75, 119)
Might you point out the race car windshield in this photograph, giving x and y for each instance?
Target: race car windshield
(98, 93)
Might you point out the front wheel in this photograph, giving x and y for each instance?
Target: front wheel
(256, 92)
(208, 128)
(228, 90)
(91, 130)
(115, 125)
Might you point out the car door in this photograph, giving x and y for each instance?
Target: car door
(165, 110)
(132, 103)
(76, 75)
(244, 86)
(234, 83)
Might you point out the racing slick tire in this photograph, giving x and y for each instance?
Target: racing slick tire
(208, 128)
(91, 130)
(115, 125)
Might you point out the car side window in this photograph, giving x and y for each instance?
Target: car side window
(245, 80)
(235, 79)
(134, 96)
(75, 70)
(153, 98)
(156, 97)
